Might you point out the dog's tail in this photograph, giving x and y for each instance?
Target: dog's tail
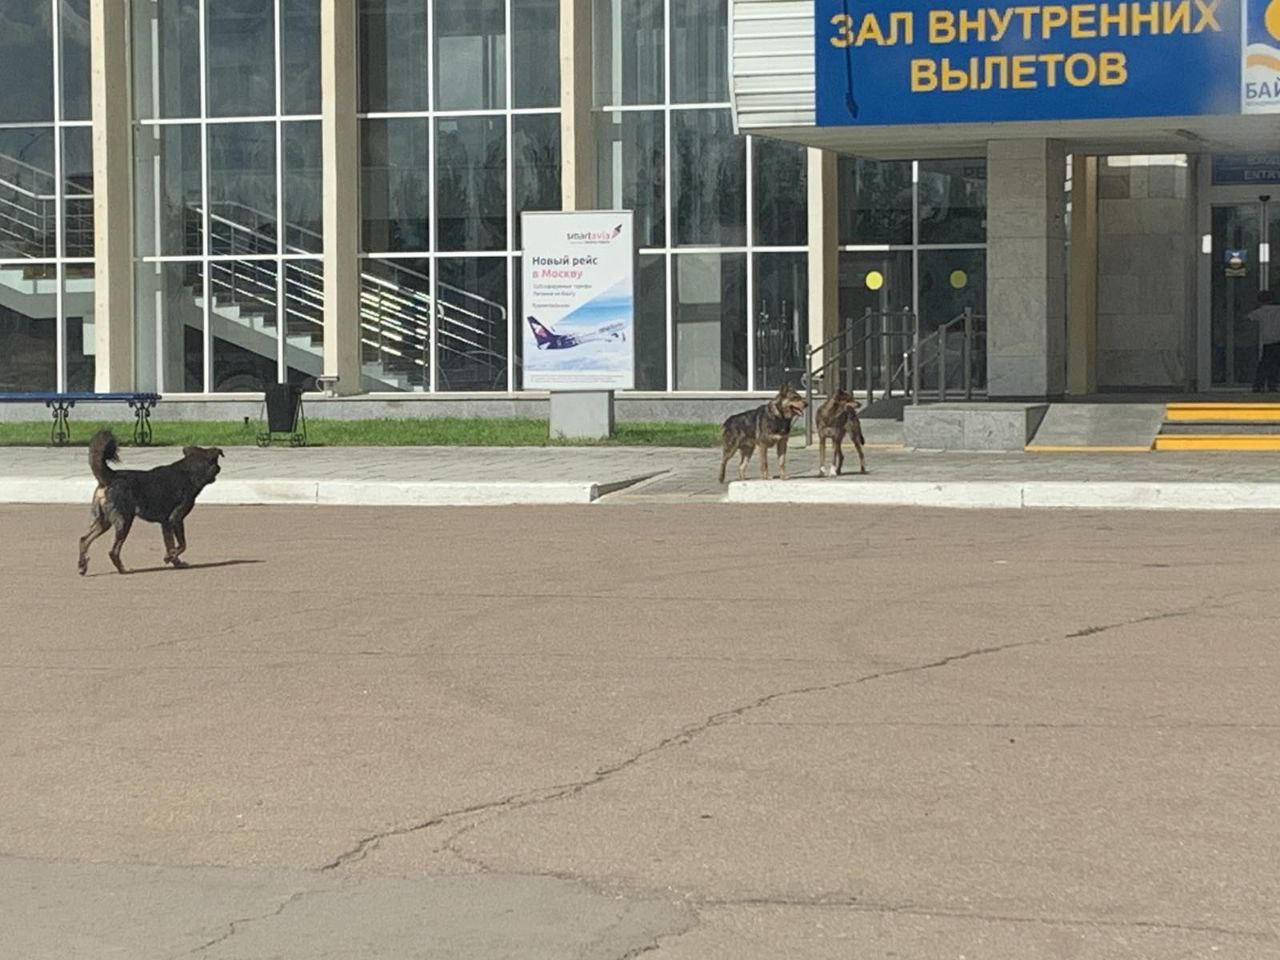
(103, 450)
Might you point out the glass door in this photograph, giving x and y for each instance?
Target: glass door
(1241, 267)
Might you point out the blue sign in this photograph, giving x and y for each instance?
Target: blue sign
(1246, 168)
(977, 61)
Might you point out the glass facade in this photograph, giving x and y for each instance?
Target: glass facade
(722, 222)
(46, 197)
(227, 194)
(458, 116)
(460, 134)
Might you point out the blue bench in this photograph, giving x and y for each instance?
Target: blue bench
(61, 404)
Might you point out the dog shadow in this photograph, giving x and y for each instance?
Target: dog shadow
(165, 567)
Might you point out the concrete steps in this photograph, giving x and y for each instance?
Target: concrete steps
(1220, 427)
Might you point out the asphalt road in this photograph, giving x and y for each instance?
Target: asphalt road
(693, 732)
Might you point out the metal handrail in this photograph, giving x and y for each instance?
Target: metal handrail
(908, 370)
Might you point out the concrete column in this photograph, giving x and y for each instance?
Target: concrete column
(341, 191)
(112, 199)
(1082, 278)
(577, 118)
(824, 253)
(1026, 286)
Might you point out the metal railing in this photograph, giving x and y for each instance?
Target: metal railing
(884, 350)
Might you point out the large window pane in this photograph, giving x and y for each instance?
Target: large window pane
(471, 324)
(781, 310)
(75, 59)
(240, 44)
(471, 183)
(304, 321)
(535, 80)
(169, 214)
(651, 323)
(953, 201)
(471, 70)
(396, 182)
(244, 327)
(77, 178)
(26, 53)
(166, 47)
(875, 281)
(300, 55)
(242, 188)
(28, 204)
(952, 281)
(77, 308)
(700, 51)
(395, 323)
(710, 179)
(28, 328)
(303, 204)
(875, 201)
(632, 171)
(535, 165)
(711, 321)
(393, 55)
(779, 184)
(170, 328)
(629, 48)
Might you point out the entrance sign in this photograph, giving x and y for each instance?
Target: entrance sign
(1246, 168)
(578, 283)
(907, 62)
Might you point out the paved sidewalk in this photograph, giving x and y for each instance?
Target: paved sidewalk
(622, 475)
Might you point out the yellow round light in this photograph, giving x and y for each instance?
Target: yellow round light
(958, 279)
(1273, 19)
(875, 279)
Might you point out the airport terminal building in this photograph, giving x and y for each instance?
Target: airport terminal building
(202, 197)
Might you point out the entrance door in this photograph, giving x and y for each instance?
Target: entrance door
(1241, 266)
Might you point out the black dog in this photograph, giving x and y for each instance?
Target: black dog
(164, 495)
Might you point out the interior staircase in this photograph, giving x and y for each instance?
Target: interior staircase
(1220, 426)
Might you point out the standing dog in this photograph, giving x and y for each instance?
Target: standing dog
(833, 420)
(164, 495)
(760, 429)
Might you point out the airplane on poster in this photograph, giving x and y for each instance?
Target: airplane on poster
(548, 340)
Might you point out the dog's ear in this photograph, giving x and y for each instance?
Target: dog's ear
(190, 451)
(215, 453)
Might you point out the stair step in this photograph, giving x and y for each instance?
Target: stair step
(1222, 441)
(1223, 412)
(1220, 428)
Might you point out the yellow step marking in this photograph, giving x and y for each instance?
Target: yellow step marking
(1226, 441)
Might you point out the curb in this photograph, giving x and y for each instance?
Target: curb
(348, 493)
(1015, 494)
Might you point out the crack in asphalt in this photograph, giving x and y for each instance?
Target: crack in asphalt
(234, 926)
(556, 792)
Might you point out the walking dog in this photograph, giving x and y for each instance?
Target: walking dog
(833, 420)
(163, 495)
(759, 429)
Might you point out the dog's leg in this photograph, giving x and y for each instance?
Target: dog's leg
(122, 533)
(822, 454)
(97, 529)
(170, 543)
(725, 456)
(782, 459)
(858, 441)
(744, 455)
(180, 531)
(764, 460)
(839, 455)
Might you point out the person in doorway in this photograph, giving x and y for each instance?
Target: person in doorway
(1267, 317)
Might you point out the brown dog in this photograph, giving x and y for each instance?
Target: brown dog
(759, 429)
(833, 420)
(164, 495)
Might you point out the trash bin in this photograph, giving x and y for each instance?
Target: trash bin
(283, 401)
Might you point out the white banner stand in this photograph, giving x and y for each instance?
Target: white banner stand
(578, 285)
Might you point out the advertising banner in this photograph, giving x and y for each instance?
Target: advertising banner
(578, 273)
(910, 62)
